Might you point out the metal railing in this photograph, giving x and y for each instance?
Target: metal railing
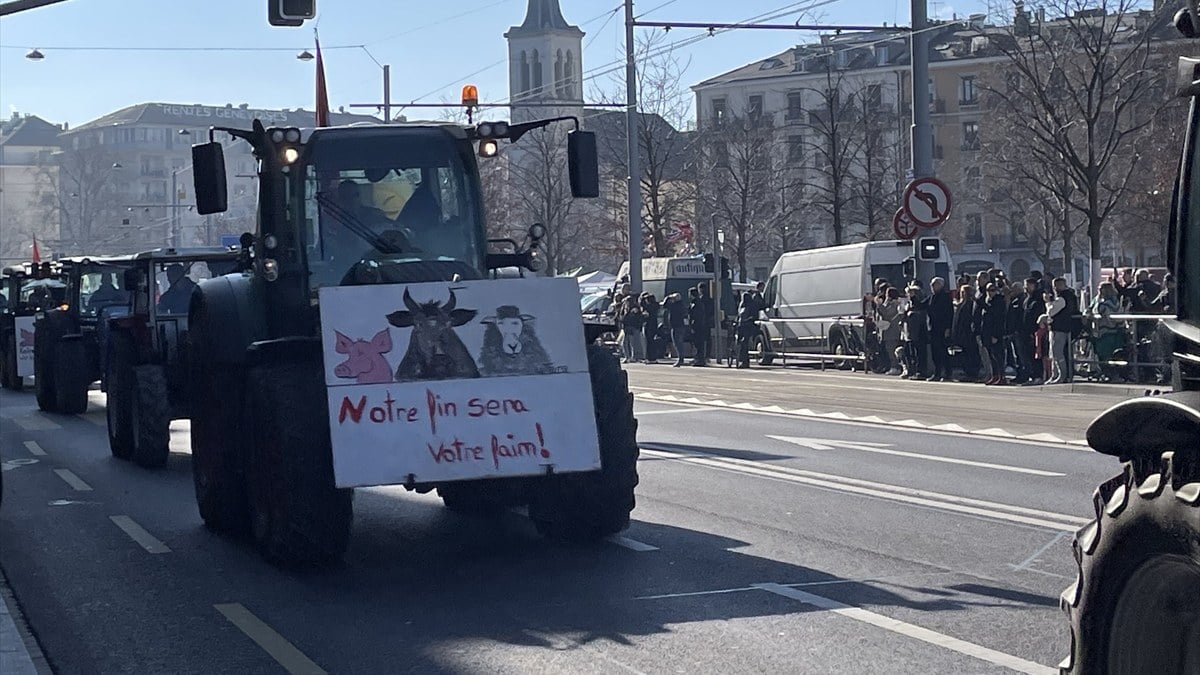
(778, 346)
(1088, 364)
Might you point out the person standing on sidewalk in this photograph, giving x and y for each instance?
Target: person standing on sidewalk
(1031, 308)
(676, 321)
(941, 321)
(888, 311)
(993, 332)
(650, 308)
(700, 317)
(962, 335)
(1061, 310)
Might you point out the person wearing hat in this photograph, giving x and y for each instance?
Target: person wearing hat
(941, 321)
(915, 332)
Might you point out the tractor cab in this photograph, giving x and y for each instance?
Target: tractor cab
(25, 290)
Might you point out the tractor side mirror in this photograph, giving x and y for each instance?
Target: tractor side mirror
(208, 169)
(583, 164)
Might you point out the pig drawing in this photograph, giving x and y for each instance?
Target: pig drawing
(26, 338)
(364, 358)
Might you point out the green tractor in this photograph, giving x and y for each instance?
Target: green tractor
(66, 356)
(1135, 606)
(370, 244)
(144, 349)
(25, 290)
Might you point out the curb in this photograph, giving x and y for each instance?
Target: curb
(874, 420)
(1130, 391)
(20, 653)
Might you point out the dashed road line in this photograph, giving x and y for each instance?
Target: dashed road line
(139, 534)
(631, 544)
(921, 498)
(910, 630)
(36, 422)
(1024, 565)
(866, 447)
(275, 645)
(35, 449)
(672, 411)
(955, 429)
(74, 481)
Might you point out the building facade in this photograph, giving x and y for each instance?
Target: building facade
(27, 143)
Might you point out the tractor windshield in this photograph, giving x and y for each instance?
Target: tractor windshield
(100, 289)
(391, 205)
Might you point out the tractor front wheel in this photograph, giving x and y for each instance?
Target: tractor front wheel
(299, 518)
(119, 386)
(150, 417)
(591, 506)
(71, 377)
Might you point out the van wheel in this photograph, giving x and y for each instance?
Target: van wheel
(841, 348)
(765, 356)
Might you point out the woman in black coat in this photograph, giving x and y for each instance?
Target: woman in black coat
(962, 334)
(993, 331)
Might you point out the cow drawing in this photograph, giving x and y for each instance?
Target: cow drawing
(364, 358)
(435, 352)
(26, 338)
(510, 345)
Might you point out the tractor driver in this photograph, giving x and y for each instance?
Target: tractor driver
(107, 294)
(350, 199)
(175, 299)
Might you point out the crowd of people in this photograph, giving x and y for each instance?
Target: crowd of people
(981, 329)
(990, 330)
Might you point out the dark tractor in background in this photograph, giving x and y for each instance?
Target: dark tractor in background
(144, 352)
(26, 290)
(66, 357)
(1135, 606)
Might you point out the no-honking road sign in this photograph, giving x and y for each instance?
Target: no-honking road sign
(903, 226)
(927, 202)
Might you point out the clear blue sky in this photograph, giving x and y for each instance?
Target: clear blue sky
(431, 53)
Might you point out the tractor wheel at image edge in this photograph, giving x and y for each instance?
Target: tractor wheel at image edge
(299, 519)
(46, 338)
(150, 417)
(118, 395)
(8, 364)
(1135, 606)
(590, 506)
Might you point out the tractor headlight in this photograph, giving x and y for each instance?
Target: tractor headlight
(290, 155)
(270, 269)
(500, 129)
(292, 136)
(488, 148)
(277, 136)
(485, 129)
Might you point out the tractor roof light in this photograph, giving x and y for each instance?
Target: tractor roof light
(470, 95)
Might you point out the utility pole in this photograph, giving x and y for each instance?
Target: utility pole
(634, 155)
(922, 132)
(387, 94)
(173, 236)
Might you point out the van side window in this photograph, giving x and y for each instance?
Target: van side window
(770, 291)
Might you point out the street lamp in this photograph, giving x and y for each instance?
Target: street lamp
(35, 55)
(305, 56)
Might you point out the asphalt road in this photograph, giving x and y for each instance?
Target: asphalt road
(762, 542)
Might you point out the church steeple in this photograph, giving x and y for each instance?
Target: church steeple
(545, 62)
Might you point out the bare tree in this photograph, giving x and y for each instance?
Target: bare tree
(1084, 83)
(84, 196)
(876, 186)
(541, 193)
(737, 184)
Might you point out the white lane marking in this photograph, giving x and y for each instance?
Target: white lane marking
(139, 534)
(677, 411)
(275, 645)
(631, 544)
(34, 448)
(868, 447)
(949, 427)
(10, 464)
(36, 422)
(1038, 553)
(1046, 438)
(936, 500)
(909, 630)
(803, 584)
(994, 431)
(74, 481)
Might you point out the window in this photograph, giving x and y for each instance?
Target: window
(1020, 231)
(558, 75)
(718, 112)
(973, 179)
(536, 67)
(874, 97)
(967, 94)
(881, 55)
(932, 91)
(524, 73)
(795, 105)
(569, 75)
(754, 108)
(974, 228)
(152, 165)
(720, 154)
(970, 136)
(795, 150)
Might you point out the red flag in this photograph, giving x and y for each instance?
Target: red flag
(322, 92)
(37, 256)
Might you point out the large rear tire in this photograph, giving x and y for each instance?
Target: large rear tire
(1135, 606)
(150, 417)
(118, 395)
(594, 505)
(217, 400)
(8, 363)
(45, 347)
(72, 377)
(298, 517)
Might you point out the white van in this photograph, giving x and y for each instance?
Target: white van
(808, 290)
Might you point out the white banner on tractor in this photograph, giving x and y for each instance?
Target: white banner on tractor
(445, 381)
(24, 338)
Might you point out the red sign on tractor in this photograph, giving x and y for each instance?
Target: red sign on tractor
(903, 226)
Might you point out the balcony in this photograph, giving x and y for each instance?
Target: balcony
(1008, 242)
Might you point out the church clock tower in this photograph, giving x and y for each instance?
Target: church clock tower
(545, 64)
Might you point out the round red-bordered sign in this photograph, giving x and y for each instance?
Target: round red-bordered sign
(903, 226)
(927, 202)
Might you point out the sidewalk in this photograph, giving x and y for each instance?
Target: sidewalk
(19, 651)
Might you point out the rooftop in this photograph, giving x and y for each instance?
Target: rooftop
(29, 131)
(207, 115)
(542, 16)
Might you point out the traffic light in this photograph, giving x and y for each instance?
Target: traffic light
(290, 12)
(710, 265)
(929, 248)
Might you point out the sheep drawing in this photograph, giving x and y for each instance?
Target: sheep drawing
(510, 345)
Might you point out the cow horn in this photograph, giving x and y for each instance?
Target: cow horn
(449, 306)
(410, 303)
